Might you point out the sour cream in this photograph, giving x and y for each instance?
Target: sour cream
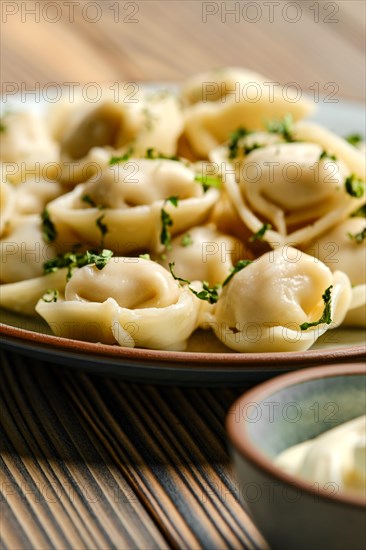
(336, 456)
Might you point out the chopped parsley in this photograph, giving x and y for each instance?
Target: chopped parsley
(234, 138)
(283, 127)
(186, 240)
(72, 260)
(100, 260)
(152, 153)
(145, 256)
(358, 237)
(103, 229)
(49, 231)
(354, 139)
(88, 200)
(354, 186)
(360, 212)
(260, 233)
(2, 120)
(174, 200)
(208, 181)
(50, 296)
(326, 316)
(325, 155)
(166, 222)
(208, 294)
(249, 148)
(123, 158)
(241, 264)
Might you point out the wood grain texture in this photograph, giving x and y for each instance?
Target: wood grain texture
(167, 40)
(95, 463)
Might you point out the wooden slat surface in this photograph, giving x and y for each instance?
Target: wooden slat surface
(97, 463)
(88, 462)
(171, 41)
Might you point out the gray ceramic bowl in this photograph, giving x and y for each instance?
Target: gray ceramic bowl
(289, 512)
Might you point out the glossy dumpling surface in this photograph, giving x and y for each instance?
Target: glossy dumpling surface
(264, 305)
(131, 301)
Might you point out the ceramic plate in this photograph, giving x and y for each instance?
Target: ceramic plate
(206, 361)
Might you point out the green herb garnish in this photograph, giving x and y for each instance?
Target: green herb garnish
(234, 138)
(2, 120)
(100, 260)
(208, 294)
(241, 264)
(283, 127)
(249, 148)
(208, 181)
(166, 222)
(354, 139)
(354, 186)
(88, 200)
(325, 155)
(123, 158)
(326, 316)
(186, 240)
(73, 260)
(360, 212)
(152, 153)
(49, 231)
(103, 229)
(358, 237)
(50, 296)
(260, 233)
(145, 256)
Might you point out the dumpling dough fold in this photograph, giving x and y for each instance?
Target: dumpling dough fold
(129, 198)
(131, 301)
(262, 307)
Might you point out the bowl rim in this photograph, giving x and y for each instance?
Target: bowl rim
(239, 439)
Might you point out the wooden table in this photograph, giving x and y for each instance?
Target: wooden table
(89, 462)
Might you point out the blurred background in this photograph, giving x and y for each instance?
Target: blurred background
(318, 45)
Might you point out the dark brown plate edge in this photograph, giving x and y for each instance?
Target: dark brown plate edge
(189, 358)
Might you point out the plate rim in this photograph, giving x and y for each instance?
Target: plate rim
(19, 336)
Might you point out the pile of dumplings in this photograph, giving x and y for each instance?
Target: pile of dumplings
(137, 222)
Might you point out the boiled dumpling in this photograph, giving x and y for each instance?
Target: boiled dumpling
(162, 124)
(22, 296)
(216, 84)
(7, 203)
(131, 301)
(330, 142)
(296, 187)
(249, 102)
(26, 147)
(24, 250)
(128, 199)
(112, 129)
(33, 195)
(204, 254)
(264, 305)
(108, 124)
(344, 248)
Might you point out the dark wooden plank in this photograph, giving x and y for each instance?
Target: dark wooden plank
(97, 463)
(60, 483)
